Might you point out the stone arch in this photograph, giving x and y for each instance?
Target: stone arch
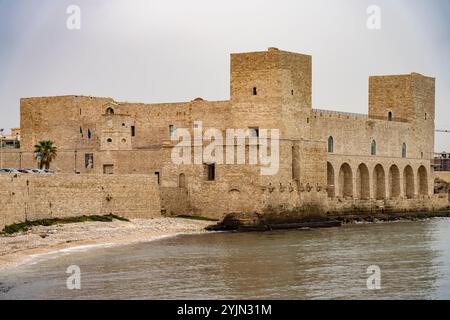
(408, 182)
(345, 181)
(330, 180)
(182, 180)
(422, 177)
(362, 182)
(394, 182)
(379, 182)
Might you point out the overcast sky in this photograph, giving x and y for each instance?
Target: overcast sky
(168, 51)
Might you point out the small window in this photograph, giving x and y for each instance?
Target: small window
(133, 131)
(404, 150)
(307, 120)
(108, 169)
(182, 180)
(390, 116)
(330, 144)
(373, 148)
(123, 124)
(171, 130)
(253, 132)
(255, 91)
(421, 155)
(110, 111)
(210, 172)
(124, 140)
(292, 92)
(89, 161)
(109, 140)
(426, 115)
(158, 177)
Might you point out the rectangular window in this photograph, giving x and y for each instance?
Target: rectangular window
(210, 172)
(158, 177)
(108, 169)
(89, 161)
(133, 131)
(171, 130)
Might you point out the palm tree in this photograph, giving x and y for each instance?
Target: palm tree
(45, 153)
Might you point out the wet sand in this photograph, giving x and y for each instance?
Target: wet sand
(22, 247)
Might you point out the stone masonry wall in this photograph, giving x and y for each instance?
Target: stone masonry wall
(31, 197)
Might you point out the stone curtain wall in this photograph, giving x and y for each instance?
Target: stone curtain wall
(444, 175)
(34, 197)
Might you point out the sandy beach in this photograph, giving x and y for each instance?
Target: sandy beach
(22, 247)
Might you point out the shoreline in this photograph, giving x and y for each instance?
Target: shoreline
(25, 247)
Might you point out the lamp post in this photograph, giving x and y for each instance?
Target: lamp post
(1, 148)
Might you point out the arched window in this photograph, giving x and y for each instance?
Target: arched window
(373, 148)
(390, 116)
(110, 111)
(404, 150)
(330, 144)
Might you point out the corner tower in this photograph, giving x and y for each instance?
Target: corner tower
(406, 98)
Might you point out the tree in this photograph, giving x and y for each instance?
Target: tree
(45, 153)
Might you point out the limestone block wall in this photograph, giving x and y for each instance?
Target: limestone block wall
(340, 207)
(444, 175)
(353, 135)
(59, 119)
(175, 201)
(31, 197)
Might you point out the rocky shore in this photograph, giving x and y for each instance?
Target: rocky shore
(21, 247)
(258, 222)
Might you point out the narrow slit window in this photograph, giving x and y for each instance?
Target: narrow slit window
(373, 148)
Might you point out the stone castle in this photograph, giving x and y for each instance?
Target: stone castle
(329, 161)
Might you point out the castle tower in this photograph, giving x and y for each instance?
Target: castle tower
(272, 88)
(406, 98)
